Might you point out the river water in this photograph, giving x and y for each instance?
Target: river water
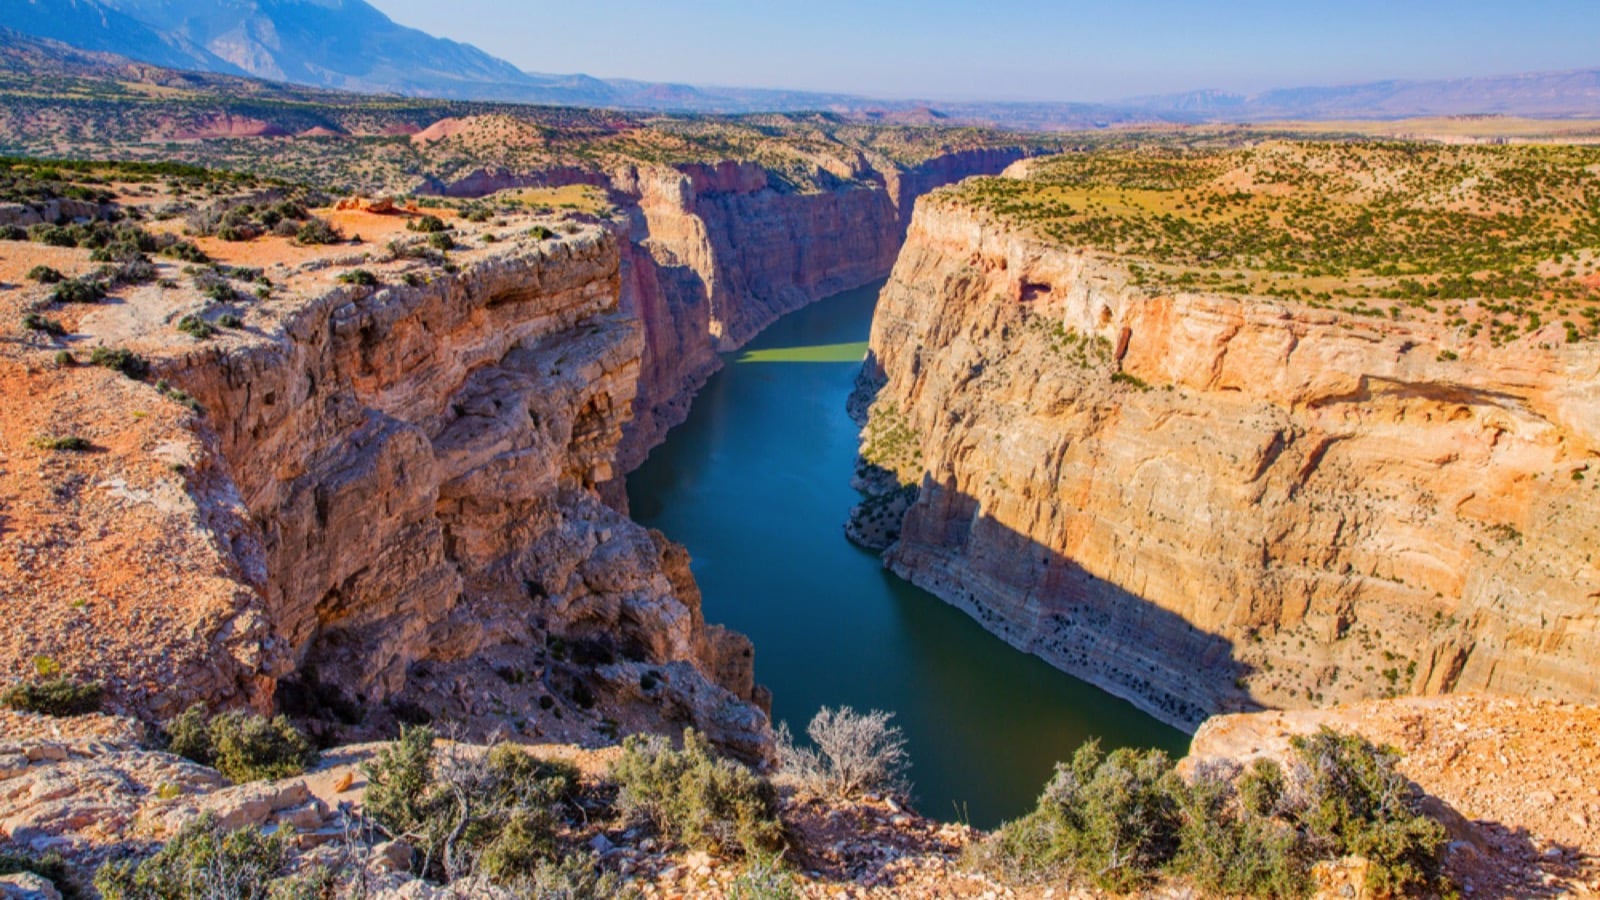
(756, 485)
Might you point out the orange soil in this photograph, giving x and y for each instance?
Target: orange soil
(105, 558)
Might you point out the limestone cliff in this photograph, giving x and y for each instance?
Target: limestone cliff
(394, 483)
(1203, 502)
(720, 251)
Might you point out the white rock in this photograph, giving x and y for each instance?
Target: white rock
(27, 886)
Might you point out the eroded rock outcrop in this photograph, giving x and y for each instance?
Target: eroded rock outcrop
(422, 461)
(1204, 502)
(387, 509)
(721, 251)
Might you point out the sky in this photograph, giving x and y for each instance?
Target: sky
(1020, 49)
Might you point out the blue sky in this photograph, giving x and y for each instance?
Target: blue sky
(1020, 49)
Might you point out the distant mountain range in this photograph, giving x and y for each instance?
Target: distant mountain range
(1546, 94)
(350, 45)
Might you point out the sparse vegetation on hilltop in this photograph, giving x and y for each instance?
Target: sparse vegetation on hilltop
(365, 143)
(1497, 240)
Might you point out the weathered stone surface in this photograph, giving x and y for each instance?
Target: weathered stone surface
(1300, 507)
(380, 490)
(421, 462)
(27, 886)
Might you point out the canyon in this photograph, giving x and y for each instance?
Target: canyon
(1207, 502)
(395, 492)
(392, 491)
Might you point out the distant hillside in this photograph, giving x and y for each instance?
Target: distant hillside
(1575, 93)
(93, 25)
(350, 45)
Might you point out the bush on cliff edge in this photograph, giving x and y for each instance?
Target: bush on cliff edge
(1122, 821)
(494, 814)
(242, 746)
(55, 696)
(692, 797)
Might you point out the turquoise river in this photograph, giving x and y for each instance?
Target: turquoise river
(756, 485)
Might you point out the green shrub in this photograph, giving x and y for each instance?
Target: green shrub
(53, 235)
(202, 862)
(242, 746)
(577, 876)
(132, 271)
(1132, 381)
(229, 320)
(45, 275)
(1355, 801)
(125, 361)
(441, 241)
(196, 327)
(185, 251)
(429, 224)
(690, 796)
(1112, 819)
(78, 290)
(55, 696)
(1230, 843)
(317, 231)
(359, 277)
(36, 322)
(49, 865)
(497, 813)
(1125, 819)
(398, 780)
(69, 443)
(541, 233)
(764, 878)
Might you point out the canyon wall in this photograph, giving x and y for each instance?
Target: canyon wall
(1205, 503)
(410, 472)
(720, 251)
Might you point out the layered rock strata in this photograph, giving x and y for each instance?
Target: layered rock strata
(423, 462)
(1205, 503)
(391, 501)
(719, 252)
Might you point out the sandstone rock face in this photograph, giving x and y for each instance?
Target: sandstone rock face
(420, 463)
(1268, 504)
(721, 251)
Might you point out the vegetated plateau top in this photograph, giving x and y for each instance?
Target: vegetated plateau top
(1496, 238)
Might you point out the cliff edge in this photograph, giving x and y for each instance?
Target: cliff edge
(1208, 500)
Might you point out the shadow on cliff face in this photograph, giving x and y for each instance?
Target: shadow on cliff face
(1042, 602)
(1039, 600)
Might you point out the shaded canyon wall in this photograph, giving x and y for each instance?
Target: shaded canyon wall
(1206, 503)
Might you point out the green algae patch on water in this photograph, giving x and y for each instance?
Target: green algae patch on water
(817, 353)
